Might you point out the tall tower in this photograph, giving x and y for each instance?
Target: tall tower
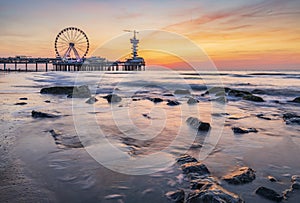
(134, 41)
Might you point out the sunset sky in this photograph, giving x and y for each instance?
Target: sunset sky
(236, 34)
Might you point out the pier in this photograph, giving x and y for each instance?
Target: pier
(71, 47)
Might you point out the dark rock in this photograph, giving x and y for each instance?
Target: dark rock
(213, 193)
(80, 92)
(195, 167)
(269, 194)
(240, 176)
(297, 100)
(253, 98)
(238, 93)
(91, 100)
(173, 103)
(220, 94)
(47, 101)
(191, 100)
(272, 179)
(57, 90)
(183, 91)
(112, 98)
(198, 182)
(23, 98)
(168, 95)
(146, 115)
(287, 116)
(291, 118)
(217, 90)
(222, 99)
(176, 196)
(197, 124)
(295, 182)
(258, 91)
(72, 91)
(156, 100)
(21, 103)
(38, 114)
(186, 159)
(64, 140)
(238, 130)
(262, 116)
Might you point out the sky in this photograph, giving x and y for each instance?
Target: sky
(235, 34)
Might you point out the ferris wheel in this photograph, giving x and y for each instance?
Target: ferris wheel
(71, 43)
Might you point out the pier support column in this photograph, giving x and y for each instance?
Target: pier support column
(36, 67)
(4, 66)
(15, 65)
(46, 66)
(26, 68)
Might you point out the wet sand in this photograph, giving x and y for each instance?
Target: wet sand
(34, 168)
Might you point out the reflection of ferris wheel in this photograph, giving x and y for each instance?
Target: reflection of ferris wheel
(71, 43)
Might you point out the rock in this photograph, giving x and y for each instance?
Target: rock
(91, 100)
(197, 124)
(23, 98)
(168, 95)
(272, 179)
(195, 167)
(146, 115)
(213, 193)
(186, 159)
(297, 100)
(21, 103)
(217, 90)
(198, 183)
(241, 176)
(72, 91)
(258, 91)
(47, 101)
(112, 98)
(253, 98)
(287, 116)
(238, 93)
(291, 118)
(191, 100)
(173, 103)
(183, 91)
(176, 196)
(262, 116)
(221, 99)
(80, 92)
(38, 114)
(156, 100)
(269, 194)
(238, 130)
(295, 182)
(65, 140)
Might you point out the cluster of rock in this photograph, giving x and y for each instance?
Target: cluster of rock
(291, 118)
(203, 187)
(221, 92)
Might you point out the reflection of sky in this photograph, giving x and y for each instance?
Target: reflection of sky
(235, 33)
